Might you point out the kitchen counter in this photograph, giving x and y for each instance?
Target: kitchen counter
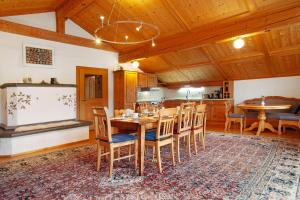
(215, 109)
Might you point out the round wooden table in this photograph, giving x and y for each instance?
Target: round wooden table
(261, 125)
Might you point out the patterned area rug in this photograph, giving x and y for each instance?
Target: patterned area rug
(232, 167)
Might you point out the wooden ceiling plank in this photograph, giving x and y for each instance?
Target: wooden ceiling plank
(286, 51)
(257, 21)
(214, 62)
(240, 57)
(265, 49)
(21, 29)
(174, 67)
(72, 7)
(174, 12)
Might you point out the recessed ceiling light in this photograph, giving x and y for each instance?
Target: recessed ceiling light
(238, 43)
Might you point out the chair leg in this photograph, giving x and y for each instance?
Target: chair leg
(203, 140)
(279, 127)
(119, 153)
(153, 153)
(284, 129)
(158, 158)
(241, 126)
(111, 160)
(195, 142)
(136, 153)
(129, 153)
(226, 125)
(106, 150)
(98, 156)
(229, 125)
(177, 148)
(172, 153)
(189, 145)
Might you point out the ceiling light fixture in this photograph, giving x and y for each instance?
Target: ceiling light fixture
(135, 64)
(98, 40)
(113, 30)
(238, 43)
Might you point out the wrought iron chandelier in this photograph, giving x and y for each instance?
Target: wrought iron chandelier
(125, 31)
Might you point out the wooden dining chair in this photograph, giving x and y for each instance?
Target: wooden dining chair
(105, 138)
(163, 135)
(233, 117)
(199, 126)
(184, 127)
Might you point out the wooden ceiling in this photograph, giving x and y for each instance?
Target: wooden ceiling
(195, 45)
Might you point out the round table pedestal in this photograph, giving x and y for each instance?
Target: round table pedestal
(261, 125)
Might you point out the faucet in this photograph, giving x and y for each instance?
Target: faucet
(188, 92)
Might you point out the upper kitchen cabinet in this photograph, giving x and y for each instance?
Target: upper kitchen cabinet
(147, 80)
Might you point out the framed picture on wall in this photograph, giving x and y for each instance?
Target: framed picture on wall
(38, 56)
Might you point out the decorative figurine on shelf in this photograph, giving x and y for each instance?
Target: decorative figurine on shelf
(263, 100)
(54, 81)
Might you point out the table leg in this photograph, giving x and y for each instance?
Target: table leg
(141, 140)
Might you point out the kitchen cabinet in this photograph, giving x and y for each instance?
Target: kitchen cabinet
(215, 109)
(125, 89)
(147, 80)
(152, 80)
(142, 80)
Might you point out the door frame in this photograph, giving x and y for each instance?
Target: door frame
(78, 85)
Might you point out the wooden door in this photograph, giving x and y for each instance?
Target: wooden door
(92, 90)
(130, 88)
(142, 80)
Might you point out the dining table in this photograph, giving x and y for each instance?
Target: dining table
(262, 124)
(139, 124)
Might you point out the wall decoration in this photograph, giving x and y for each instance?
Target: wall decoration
(18, 100)
(38, 56)
(68, 100)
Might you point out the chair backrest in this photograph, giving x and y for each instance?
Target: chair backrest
(199, 116)
(119, 113)
(166, 123)
(185, 116)
(102, 124)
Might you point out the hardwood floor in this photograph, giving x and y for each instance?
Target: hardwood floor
(291, 135)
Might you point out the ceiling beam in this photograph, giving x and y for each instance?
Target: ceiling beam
(21, 29)
(238, 25)
(174, 12)
(68, 10)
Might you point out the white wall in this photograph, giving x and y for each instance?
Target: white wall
(283, 86)
(47, 21)
(67, 56)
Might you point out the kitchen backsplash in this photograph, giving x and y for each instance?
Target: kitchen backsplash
(156, 94)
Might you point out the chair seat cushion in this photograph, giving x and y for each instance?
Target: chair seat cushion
(288, 116)
(122, 137)
(150, 135)
(236, 115)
